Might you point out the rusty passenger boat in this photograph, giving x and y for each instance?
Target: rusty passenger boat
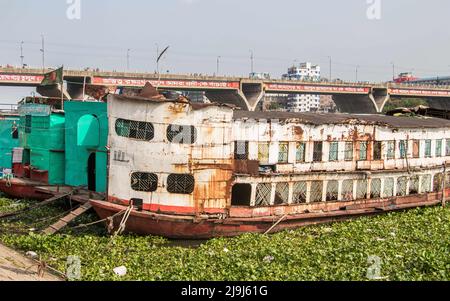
(194, 171)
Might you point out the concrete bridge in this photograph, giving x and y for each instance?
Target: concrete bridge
(243, 92)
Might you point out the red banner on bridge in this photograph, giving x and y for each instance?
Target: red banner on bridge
(316, 89)
(417, 92)
(21, 78)
(186, 84)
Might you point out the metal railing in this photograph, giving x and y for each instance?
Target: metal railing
(7, 107)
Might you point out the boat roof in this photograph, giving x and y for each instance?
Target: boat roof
(340, 118)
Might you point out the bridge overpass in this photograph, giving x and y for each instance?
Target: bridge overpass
(243, 92)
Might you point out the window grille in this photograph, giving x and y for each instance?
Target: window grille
(241, 150)
(363, 151)
(180, 183)
(428, 148)
(416, 149)
(348, 151)
(377, 150)
(388, 187)
(282, 193)
(437, 182)
(283, 153)
(183, 134)
(317, 153)
(135, 129)
(414, 185)
(28, 121)
(300, 152)
(316, 191)
(263, 194)
(375, 188)
(439, 148)
(426, 183)
(334, 151)
(403, 149)
(299, 192)
(347, 190)
(361, 189)
(390, 150)
(332, 190)
(263, 152)
(142, 181)
(401, 186)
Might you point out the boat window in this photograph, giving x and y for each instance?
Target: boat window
(439, 148)
(347, 190)
(332, 191)
(401, 186)
(180, 183)
(426, 183)
(377, 150)
(414, 185)
(334, 151)
(447, 148)
(388, 187)
(361, 189)
(241, 195)
(403, 149)
(348, 151)
(316, 191)
(241, 150)
(363, 150)
(263, 194)
(437, 182)
(390, 150)
(300, 152)
(263, 152)
(281, 193)
(299, 193)
(14, 132)
(375, 188)
(317, 152)
(428, 148)
(135, 129)
(183, 134)
(142, 181)
(283, 152)
(28, 119)
(416, 149)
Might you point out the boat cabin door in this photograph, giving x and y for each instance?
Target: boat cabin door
(91, 172)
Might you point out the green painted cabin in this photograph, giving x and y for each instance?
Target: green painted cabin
(86, 138)
(9, 139)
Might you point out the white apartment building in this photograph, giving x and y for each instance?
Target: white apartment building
(303, 102)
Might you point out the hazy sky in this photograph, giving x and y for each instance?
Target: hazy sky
(414, 34)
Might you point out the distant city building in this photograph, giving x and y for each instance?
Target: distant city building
(303, 102)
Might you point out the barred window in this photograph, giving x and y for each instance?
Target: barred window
(401, 186)
(414, 185)
(403, 149)
(142, 181)
(28, 119)
(388, 187)
(437, 182)
(263, 152)
(180, 183)
(299, 192)
(347, 190)
(390, 150)
(361, 189)
(183, 134)
(300, 152)
(428, 148)
(316, 191)
(317, 153)
(426, 183)
(334, 151)
(332, 190)
(283, 152)
(363, 150)
(416, 149)
(375, 188)
(348, 151)
(135, 129)
(447, 148)
(241, 150)
(439, 148)
(281, 193)
(263, 194)
(377, 150)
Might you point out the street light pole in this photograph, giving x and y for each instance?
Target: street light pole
(331, 78)
(251, 59)
(128, 59)
(357, 67)
(157, 56)
(218, 65)
(43, 52)
(393, 71)
(21, 54)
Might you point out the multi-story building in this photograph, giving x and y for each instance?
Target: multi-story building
(303, 102)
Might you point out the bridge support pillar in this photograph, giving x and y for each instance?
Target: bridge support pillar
(253, 93)
(355, 104)
(53, 91)
(441, 103)
(233, 97)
